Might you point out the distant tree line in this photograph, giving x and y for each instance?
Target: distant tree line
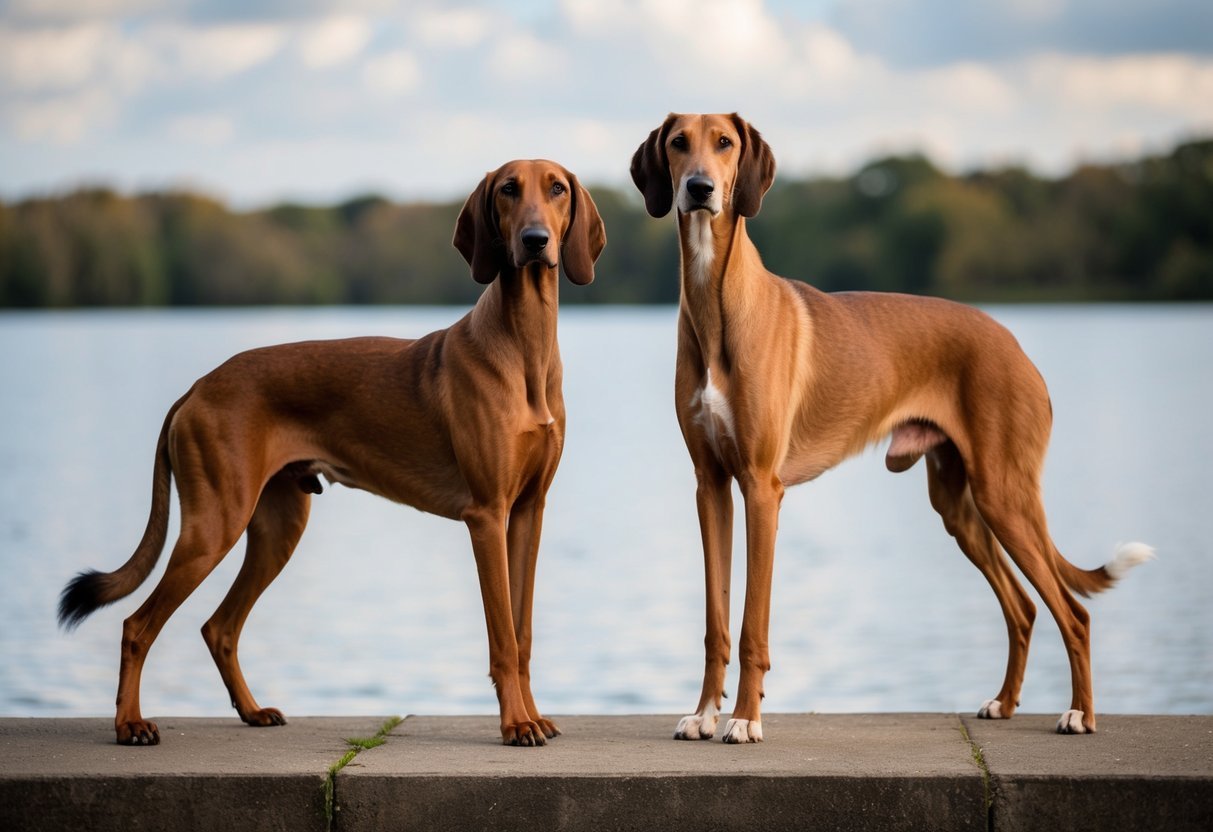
(1134, 231)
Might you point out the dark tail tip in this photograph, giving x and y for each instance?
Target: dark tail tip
(80, 598)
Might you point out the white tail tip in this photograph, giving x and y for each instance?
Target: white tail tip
(1127, 556)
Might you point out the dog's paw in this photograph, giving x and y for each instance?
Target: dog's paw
(523, 734)
(990, 709)
(264, 717)
(742, 730)
(138, 732)
(700, 726)
(695, 727)
(1072, 722)
(547, 727)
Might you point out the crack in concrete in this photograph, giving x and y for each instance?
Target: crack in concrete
(357, 746)
(980, 761)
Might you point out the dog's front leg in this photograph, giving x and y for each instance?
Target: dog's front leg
(526, 523)
(714, 499)
(488, 530)
(763, 493)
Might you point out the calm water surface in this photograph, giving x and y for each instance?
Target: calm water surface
(379, 612)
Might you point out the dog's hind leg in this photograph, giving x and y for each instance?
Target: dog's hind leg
(951, 497)
(273, 532)
(204, 540)
(1010, 504)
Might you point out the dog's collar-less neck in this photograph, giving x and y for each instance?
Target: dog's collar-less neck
(530, 290)
(520, 307)
(529, 308)
(523, 302)
(707, 268)
(706, 284)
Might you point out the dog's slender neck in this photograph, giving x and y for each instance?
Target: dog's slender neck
(717, 255)
(520, 306)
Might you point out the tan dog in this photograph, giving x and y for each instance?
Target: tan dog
(466, 423)
(777, 382)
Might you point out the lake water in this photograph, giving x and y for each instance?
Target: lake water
(874, 608)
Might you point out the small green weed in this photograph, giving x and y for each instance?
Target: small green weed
(357, 745)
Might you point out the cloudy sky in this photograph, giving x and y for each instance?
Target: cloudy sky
(260, 100)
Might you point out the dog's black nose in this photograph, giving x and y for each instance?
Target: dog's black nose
(534, 239)
(700, 187)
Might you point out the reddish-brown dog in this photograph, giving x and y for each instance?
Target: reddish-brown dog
(467, 423)
(777, 382)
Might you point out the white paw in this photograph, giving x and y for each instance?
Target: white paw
(1071, 723)
(742, 730)
(701, 726)
(990, 709)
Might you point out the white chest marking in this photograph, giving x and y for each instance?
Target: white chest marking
(701, 246)
(715, 415)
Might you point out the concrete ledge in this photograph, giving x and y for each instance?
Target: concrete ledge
(886, 771)
(890, 772)
(1138, 772)
(207, 774)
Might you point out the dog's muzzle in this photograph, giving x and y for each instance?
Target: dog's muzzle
(534, 244)
(699, 194)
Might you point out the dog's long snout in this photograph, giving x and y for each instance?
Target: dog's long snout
(700, 188)
(534, 239)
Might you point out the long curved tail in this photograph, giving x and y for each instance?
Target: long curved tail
(91, 590)
(1089, 581)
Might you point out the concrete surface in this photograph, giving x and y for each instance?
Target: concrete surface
(206, 774)
(1136, 772)
(854, 771)
(891, 771)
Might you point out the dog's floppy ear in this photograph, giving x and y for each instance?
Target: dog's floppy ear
(755, 171)
(476, 234)
(651, 171)
(585, 237)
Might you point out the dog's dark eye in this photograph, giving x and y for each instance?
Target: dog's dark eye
(558, 188)
(679, 142)
(510, 188)
(725, 141)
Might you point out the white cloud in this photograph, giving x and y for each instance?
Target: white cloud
(523, 57)
(65, 119)
(333, 41)
(919, 33)
(968, 88)
(56, 59)
(210, 129)
(220, 51)
(77, 9)
(394, 73)
(50, 58)
(63, 58)
(1179, 84)
(453, 28)
(67, 82)
(597, 75)
(592, 136)
(715, 36)
(827, 53)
